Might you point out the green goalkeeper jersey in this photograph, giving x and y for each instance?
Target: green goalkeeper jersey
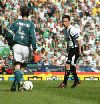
(24, 32)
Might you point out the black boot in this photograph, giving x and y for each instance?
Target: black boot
(75, 84)
(66, 76)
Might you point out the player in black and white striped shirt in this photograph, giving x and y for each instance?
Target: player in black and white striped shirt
(73, 49)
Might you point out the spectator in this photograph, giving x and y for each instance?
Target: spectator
(47, 21)
(36, 56)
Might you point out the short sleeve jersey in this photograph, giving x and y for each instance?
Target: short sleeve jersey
(24, 31)
(71, 35)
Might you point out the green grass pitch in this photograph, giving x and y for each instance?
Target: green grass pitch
(46, 92)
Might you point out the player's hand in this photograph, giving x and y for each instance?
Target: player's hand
(34, 51)
(34, 48)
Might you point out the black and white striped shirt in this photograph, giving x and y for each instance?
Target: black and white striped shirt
(71, 35)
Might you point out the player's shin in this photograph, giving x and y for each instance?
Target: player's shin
(73, 71)
(67, 73)
(13, 87)
(65, 78)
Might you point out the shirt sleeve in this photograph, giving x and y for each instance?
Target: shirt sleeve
(74, 33)
(10, 31)
(10, 35)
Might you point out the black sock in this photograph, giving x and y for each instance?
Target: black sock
(73, 71)
(67, 73)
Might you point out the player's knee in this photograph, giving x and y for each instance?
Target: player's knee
(73, 67)
(67, 72)
(67, 66)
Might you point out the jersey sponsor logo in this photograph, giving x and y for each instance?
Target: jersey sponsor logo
(23, 24)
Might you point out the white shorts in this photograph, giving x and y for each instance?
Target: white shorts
(21, 53)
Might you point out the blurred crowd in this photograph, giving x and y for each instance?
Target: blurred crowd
(47, 18)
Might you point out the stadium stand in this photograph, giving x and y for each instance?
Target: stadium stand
(47, 19)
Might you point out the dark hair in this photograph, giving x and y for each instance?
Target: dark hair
(24, 11)
(66, 16)
(18, 63)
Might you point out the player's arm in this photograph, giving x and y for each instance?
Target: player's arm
(33, 36)
(66, 39)
(10, 35)
(76, 35)
(78, 39)
(79, 44)
(10, 30)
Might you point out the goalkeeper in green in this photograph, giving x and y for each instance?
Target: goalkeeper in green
(22, 31)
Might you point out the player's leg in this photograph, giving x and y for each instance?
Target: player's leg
(67, 73)
(73, 69)
(21, 88)
(66, 76)
(25, 54)
(17, 67)
(19, 77)
(13, 87)
(67, 70)
(17, 53)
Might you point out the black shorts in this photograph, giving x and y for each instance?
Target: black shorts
(73, 55)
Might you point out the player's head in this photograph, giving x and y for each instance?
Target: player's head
(66, 20)
(17, 65)
(24, 11)
(66, 16)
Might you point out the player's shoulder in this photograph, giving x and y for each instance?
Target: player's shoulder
(21, 20)
(26, 22)
(73, 29)
(14, 22)
(18, 20)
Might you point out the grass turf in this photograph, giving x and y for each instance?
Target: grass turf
(46, 92)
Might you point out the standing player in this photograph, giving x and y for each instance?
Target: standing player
(74, 50)
(23, 37)
(18, 77)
